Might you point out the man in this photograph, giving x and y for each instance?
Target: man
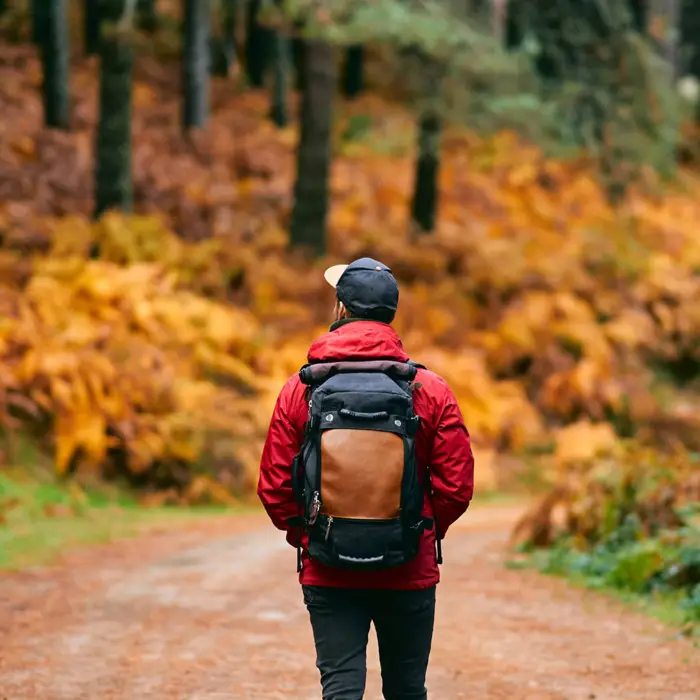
(345, 591)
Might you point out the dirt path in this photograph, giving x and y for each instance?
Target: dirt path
(216, 613)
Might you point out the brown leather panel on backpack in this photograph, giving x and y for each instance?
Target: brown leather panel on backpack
(361, 473)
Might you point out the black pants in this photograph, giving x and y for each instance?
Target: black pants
(341, 618)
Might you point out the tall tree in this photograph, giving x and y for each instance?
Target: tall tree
(35, 10)
(690, 42)
(353, 77)
(53, 28)
(428, 75)
(425, 190)
(308, 225)
(639, 9)
(514, 30)
(91, 26)
(195, 64)
(621, 106)
(258, 46)
(690, 36)
(147, 15)
(113, 179)
(223, 50)
(297, 50)
(280, 85)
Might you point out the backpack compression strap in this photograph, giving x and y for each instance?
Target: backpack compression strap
(319, 372)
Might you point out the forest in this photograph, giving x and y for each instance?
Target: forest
(175, 176)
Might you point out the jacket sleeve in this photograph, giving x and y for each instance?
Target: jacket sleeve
(284, 438)
(451, 464)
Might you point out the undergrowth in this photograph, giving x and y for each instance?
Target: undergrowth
(630, 525)
(153, 347)
(661, 573)
(42, 516)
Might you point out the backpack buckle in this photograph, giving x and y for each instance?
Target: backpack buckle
(315, 508)
(412, 425)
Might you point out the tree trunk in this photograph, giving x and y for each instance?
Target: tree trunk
(195, 64)
(308, 227)
(690, 37)
(353, 78)
(35, 9)
(147, 15)
(425, 193)
(53, 28)
(514, 30)
(639, 12)
(224, 53)
(258, 46)
(113, 186)
(91, 26)
(690, 43)
(298, 61)
(281, 79)
(558, 50)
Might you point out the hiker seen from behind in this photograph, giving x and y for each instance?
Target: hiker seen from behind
(366, 465)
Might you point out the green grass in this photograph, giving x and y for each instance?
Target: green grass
(41, 517)
(666, 607)
(655, 575)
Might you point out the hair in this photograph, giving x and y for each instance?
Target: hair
(381, 315)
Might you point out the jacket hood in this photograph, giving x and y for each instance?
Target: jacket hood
(358, 340)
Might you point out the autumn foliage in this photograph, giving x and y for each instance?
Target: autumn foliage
(155, 346)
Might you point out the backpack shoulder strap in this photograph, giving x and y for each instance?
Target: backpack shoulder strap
(417, 365)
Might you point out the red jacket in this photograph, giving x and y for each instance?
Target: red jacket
(442, 443)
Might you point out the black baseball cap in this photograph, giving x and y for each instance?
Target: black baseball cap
(366, 287)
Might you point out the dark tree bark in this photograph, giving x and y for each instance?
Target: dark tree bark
(223, 51)
(113, 181)
(195, 64)
(258, 47)
(353, 71)
(281, 79)
(514, 33)
(91, 26)
(308, 226)
(425, 193)
(298, 62)
(639, 11)
(53, 29)
(147, 15)
(690, 42)
(558, 51)
(35, 9)
(690, 37)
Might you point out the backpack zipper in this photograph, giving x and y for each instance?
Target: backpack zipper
(328, 528)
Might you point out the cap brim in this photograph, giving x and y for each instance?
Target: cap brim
(334, 273)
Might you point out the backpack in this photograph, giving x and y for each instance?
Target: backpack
(356, 476)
